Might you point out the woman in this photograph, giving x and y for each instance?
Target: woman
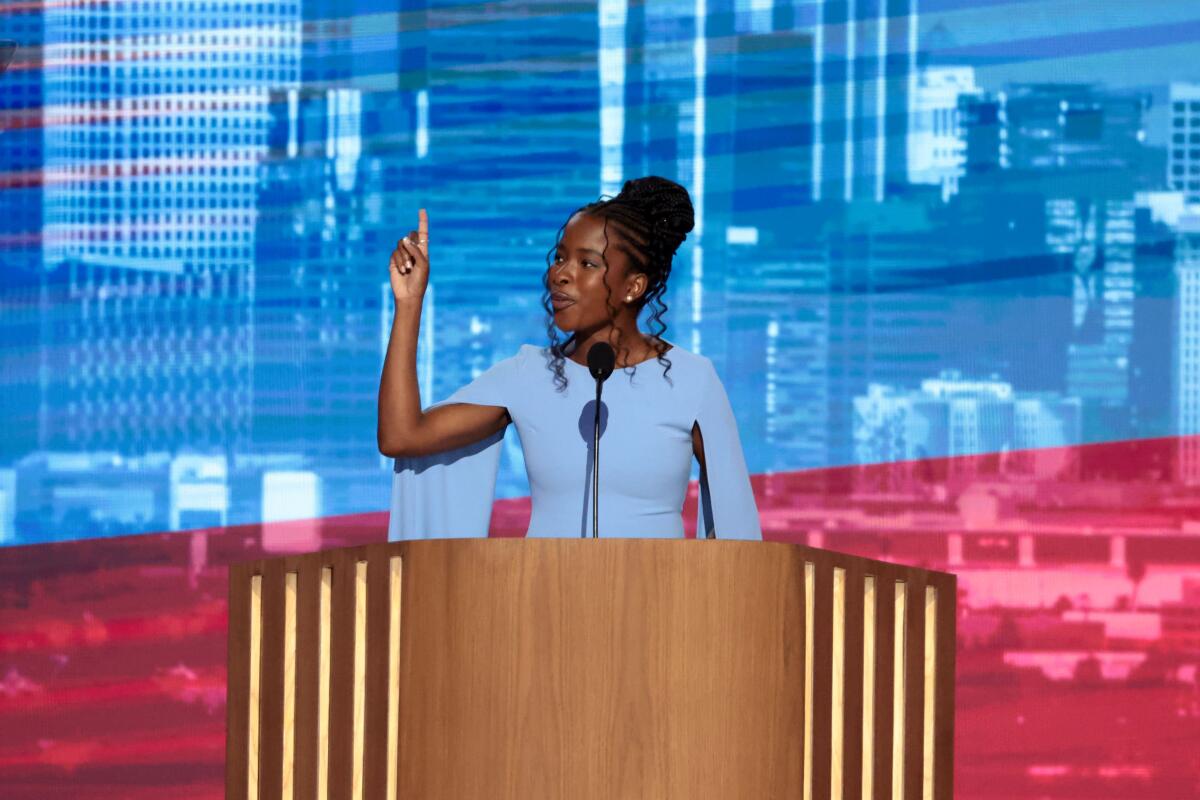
(660, 408)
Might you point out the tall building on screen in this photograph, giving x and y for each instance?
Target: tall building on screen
(156, 118)
(1183, 147)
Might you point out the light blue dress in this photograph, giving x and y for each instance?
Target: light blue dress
(645, 455)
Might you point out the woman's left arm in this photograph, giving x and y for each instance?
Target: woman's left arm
(698, 452)
(726, 495)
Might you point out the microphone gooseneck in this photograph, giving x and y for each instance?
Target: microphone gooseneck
(601, 361)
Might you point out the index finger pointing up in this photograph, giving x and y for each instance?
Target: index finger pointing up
(423, 226)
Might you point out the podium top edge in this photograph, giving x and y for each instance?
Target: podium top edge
(449, 546)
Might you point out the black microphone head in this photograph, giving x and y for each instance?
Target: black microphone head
(601, 360)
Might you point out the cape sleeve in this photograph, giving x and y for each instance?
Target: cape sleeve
(727, 504)
(449, 494)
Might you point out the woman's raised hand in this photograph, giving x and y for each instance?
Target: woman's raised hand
(408, 267)
(403, 428)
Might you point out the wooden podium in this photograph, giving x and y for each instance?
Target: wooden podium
(589, 670)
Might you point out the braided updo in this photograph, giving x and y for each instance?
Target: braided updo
(650, 218)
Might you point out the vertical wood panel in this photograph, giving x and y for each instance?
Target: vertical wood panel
(341, 677)
(853, 703)
(914, 684)
(930, 693)
(885, 637)
(360, 681)
(900, 631)
(308, 610)
(237, 712)
(822, 678)
(254, 699)
(270, 763)
(395, 593)
(866, 786)
(324, 677)
(810, 582)
(837, 686)
(288, 772)
(944, 712)
(378, 659)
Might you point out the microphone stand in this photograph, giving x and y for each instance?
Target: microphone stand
(596, 465)
(601, 361)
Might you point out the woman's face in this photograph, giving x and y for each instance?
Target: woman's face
(581, 289)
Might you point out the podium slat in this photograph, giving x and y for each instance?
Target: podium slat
(270, 764)
(341, 675)
(377, 663)
(943, 763)
(308, 610)
(914, 683)
(852, 704)
(822, 680)
(885, 635)
(237, 712)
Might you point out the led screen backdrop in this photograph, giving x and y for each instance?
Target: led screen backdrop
(947, 262)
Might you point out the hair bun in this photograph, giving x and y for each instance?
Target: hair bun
(666, 205)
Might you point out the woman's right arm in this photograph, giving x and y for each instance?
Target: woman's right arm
(403, 428)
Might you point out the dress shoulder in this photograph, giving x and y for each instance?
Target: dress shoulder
(498, 385)
(693, 374)
(689, 363)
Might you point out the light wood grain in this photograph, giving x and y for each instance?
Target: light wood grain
(589, 669)
(534, 666)
(868, 702)
(395, 575)
(325, 660)
(360, 678)
(837, 694)
(287, 781)
(255, 695)
(931, 639)
(810, 593)
(898, 692)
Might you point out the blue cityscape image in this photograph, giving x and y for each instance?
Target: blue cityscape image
(924, 228)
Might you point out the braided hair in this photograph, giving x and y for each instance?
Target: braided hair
(650, 218)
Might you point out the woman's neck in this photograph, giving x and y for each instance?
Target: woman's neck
(630, 345)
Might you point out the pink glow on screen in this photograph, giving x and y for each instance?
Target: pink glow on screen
(1078, 652)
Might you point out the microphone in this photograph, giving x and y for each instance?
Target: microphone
(7, 48)
(601, 361)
